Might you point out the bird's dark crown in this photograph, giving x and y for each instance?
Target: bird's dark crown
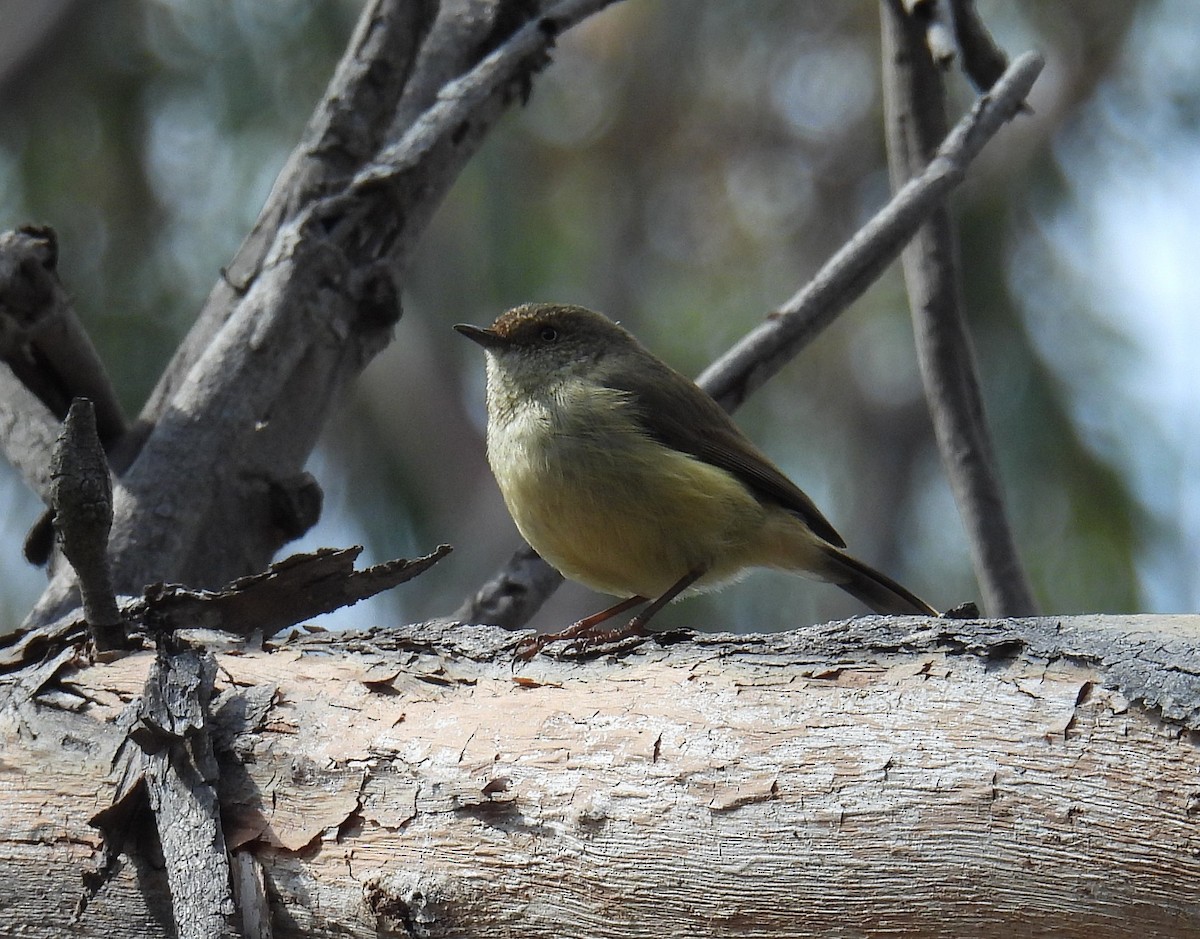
(531, 322)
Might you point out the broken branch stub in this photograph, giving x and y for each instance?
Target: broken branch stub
(81, 493)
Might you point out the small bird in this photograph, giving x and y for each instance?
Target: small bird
(628, 478)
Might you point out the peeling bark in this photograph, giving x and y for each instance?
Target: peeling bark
(288, 592)
(180, 776)
(882, 776)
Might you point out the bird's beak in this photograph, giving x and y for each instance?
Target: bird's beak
(488, 338)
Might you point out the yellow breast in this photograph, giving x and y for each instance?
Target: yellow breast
(613, 508)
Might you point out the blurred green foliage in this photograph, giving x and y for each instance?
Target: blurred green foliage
(683, 166)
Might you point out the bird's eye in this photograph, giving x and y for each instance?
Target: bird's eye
(548, 334)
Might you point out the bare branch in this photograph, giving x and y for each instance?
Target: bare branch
(954, 32)
(27, 432)
(516, 592)
(978, 778)
(42, 340)
(289, 592)
(847, 275)
(983, 61)
(937, 16)
(345, 129)
(393, 72)
(915, 117)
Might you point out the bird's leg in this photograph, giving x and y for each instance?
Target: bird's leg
(637, 625)
(528, 648)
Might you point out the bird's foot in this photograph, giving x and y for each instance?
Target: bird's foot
(584, 640)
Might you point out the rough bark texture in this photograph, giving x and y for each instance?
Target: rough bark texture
(288, 592)
(314, 292)
(877, 777)
(180, 771)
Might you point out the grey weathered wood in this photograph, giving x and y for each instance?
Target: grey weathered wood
(250, 893)
(299, 587)
(315, 292)
(28, 430)
(890, 776)
(289, 592)
(180, 775)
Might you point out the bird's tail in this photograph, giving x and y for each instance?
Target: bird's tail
(876, 590)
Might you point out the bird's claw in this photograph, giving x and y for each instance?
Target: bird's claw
(581, 643)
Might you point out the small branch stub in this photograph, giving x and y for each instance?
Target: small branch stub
(81, 493)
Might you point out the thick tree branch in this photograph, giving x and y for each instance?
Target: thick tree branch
(28, 430)
(312, 297)
(842, 280)
(42, 340)
(393, 71)
(893, 776)
(915, 117)
(346, 128)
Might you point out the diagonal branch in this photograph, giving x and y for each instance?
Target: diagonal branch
(346, 127)
(314, 293)
(846, 276)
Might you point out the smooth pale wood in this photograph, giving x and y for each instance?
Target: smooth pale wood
(879, 777)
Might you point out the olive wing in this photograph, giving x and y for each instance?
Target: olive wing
(679, 414)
